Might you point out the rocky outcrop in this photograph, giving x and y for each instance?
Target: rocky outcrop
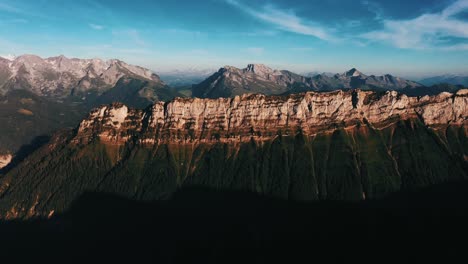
(263, 117)
(5, 160)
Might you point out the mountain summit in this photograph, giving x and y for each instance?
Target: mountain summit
(257, 78)
(39, 96)
(60, 76)
(353, 73)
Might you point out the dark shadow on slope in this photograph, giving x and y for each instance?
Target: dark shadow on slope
(199, 225)
(25, 151)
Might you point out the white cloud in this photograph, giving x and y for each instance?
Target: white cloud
(96, 27)
(427, 31)
(255, 51)
(287, 21)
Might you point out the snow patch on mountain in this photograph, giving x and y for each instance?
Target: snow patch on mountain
(58, 75)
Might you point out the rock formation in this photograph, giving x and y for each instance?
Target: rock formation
(5, 160)
(260, 116)
(338, 145)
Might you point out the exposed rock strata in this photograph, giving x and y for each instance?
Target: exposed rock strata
(263, 117)
(315, 146)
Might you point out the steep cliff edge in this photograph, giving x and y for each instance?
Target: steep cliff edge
(339, 145)
(262, 117)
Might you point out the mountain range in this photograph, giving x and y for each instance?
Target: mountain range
(62, 78)
(185, 78)
(258, 78)
(446, 79)
(340, 145)
(39, 96)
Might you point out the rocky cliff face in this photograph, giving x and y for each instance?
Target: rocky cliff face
(262, 117)
(339, 145)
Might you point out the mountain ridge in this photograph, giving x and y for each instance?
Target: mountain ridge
(57, 76)
(342, 145)
(454, 79)
(258, 78)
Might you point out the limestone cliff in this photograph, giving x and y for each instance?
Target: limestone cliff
(313, 146)
(263, 117)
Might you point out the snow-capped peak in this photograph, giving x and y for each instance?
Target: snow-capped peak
(59, 74)
(9, 57)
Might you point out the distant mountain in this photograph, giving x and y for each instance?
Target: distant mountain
(184, 78)
(257, 78)
(315, 73)
(61, 77)
(40, 95)
(447, 79)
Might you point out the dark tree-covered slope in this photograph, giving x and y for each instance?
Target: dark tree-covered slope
(142, 155)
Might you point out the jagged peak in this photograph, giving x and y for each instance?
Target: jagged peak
(229, 68)
(353, 73)
(258, 68)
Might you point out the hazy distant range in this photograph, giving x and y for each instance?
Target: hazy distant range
(184, 79)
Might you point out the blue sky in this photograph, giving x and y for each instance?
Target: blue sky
(410, 38)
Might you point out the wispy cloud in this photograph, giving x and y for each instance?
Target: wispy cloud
(15, 21)
(182, 32)
(96, 26)
(260, 33)
(256, 51)
(301, 49)
(22, 11)
(374, 8)
(131, 34)
(287, 21)
(427, 31)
